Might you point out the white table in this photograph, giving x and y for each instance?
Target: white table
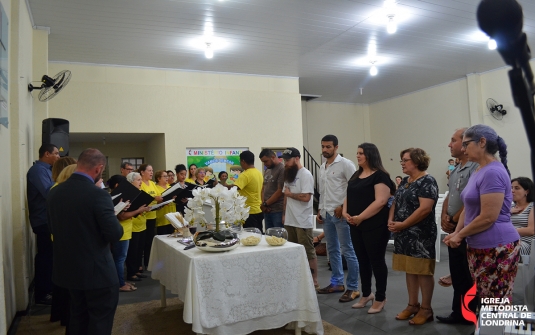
(239, 291)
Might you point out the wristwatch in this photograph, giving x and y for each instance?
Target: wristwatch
(264, 204)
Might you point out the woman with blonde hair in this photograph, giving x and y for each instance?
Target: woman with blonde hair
(163, 226)
(61, 164)
(147, 185)
(191, 174)
(59, 311)
(119, 249)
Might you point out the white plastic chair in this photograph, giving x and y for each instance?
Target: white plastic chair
(438, 219)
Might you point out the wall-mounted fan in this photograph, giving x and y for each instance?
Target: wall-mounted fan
(51, 86)
(495, 109)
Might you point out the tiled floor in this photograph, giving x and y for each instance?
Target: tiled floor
(358, 321)
(342, 315)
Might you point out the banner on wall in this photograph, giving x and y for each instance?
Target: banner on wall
(217, 160)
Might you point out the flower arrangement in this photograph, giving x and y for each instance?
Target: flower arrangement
(227, 206)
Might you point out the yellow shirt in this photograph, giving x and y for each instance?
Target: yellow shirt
(250, 183)
(189, 180)
(160, 213)
(150, 189)
(127, 228)
(139, 223)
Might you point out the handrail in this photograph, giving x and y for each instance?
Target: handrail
(312, 165)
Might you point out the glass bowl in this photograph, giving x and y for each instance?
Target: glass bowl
(250, 236)
(276, 236)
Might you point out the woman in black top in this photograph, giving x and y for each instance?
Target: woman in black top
(366, 210)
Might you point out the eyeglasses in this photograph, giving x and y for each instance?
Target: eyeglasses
(403, 161)
(129, 169)
(465, 143)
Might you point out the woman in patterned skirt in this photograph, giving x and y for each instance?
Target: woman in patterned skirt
(412, 220)
(522, 188)
(492, 240)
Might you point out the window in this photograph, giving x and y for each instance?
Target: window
(135, 161)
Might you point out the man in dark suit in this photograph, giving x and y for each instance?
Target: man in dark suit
(83, 223)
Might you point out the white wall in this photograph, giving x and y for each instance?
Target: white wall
(348, 122)
(495, 85)
(424, 119)
(114, 152)
(192, 109)
(16, 143)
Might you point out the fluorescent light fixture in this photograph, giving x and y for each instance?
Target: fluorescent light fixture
(492, 44)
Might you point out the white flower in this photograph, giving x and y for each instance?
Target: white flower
(232, 208)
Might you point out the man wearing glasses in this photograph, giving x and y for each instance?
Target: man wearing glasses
(126, 168)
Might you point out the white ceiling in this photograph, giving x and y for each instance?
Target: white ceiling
(319, 41)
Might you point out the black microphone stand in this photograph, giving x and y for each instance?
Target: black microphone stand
(522, 89)
(523, 99)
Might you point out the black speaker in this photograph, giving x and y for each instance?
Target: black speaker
(56, 131)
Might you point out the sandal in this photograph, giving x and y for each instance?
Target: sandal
(126, 288)
(420, 318)
(408, 312)
(445, 281)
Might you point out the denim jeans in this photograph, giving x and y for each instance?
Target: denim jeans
(338, 236)
(273, 220)
(119, 250)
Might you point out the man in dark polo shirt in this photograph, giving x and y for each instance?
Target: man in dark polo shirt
(461, 277)
(272, 197)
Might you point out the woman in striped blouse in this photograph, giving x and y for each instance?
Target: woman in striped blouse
(522, 188)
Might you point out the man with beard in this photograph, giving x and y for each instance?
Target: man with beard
(83, 222)
(272, 199)
(452, 207)
(297, 215)
(249, 185)
(334, 175)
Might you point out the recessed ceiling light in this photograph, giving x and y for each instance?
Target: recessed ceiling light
(390, 10)
(391, 26)
(372, 51)
(492, 45)
(209, 51)
(373, 70)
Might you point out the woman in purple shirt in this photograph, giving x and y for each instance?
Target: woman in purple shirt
(493, 248)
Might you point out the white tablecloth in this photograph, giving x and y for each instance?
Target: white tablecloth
(239, 291)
